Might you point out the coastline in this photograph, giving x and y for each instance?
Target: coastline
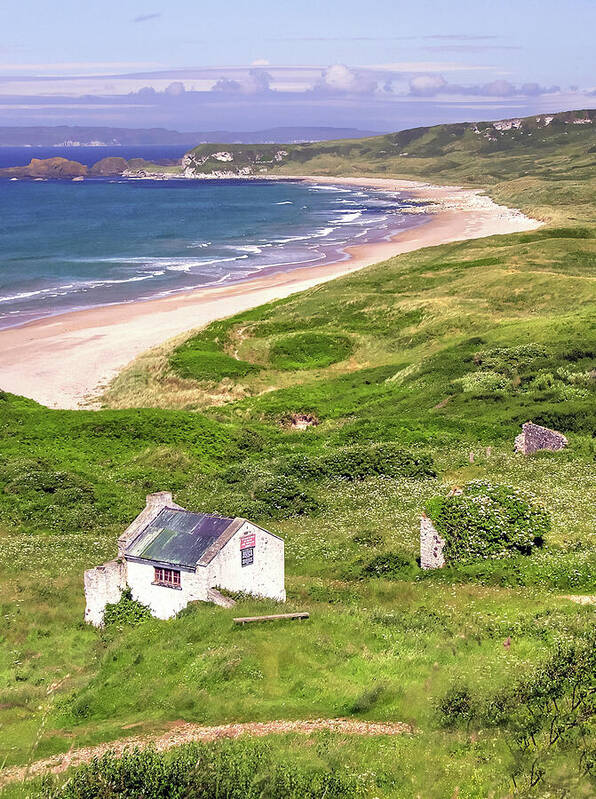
(66, 361)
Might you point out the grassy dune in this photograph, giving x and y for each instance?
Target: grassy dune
(440, 354)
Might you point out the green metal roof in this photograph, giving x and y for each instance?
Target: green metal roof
(178, 537)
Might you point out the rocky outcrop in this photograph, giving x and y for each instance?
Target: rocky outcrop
(108, 167)
(61, 168)
(534, 438)
(46, 168)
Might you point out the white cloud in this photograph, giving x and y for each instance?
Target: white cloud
(427, 85)
(256, 82)
(338, 78)
(260, 62)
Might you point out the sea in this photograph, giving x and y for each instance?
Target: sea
(67, 245)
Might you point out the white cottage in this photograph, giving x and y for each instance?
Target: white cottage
(170, 556)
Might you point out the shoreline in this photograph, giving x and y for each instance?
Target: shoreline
(67, 360)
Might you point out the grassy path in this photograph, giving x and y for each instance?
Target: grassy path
(185, 733)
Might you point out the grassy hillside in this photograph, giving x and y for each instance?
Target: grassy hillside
(428, 364)
(477, 153)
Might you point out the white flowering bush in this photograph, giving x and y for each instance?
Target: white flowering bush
(488, 521)
(482, 382)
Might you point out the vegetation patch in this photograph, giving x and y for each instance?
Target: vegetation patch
(358, 462)
(309, 350)
(227, 770)
(211, 365)
(126, 612)
(488, 521)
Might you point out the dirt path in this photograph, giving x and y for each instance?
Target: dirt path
(184, 733)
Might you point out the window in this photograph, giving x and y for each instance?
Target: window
(168, 577)
(247, 556)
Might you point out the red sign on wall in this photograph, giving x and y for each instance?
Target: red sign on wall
(247, 541)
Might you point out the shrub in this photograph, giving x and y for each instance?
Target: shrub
(367, 699)
(309, 350)
(282, 497)
(488, 521)
(358, 462)
(227, 770)
(509, 359)
(482, 382)
(455, 706)
(127, 611)
(388, 564)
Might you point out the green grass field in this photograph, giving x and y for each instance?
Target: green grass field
(440, 354)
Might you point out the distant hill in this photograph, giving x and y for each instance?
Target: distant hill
(64, 135)
(471, 152)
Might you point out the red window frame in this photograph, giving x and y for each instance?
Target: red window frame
(167, 577)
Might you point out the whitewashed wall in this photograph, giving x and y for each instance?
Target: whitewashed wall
(264, 577)
(103, 585)
(164, 601)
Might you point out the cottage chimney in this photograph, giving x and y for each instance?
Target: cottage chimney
(161, 499)
(153, 505)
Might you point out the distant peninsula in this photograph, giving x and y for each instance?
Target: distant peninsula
(78, 136)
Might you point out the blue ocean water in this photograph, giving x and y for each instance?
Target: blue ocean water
(69, 245)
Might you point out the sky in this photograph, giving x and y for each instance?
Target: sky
(376, 65)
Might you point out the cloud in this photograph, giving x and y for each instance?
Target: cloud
(340, 79)
(427, 85)
(260, 62)
(256, 82)
(175, 89)
(469, 48)
(433, 85)
(146, 17)
(462, 37)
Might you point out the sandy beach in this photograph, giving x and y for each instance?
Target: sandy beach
(65, 361)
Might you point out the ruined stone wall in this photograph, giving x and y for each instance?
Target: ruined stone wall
(103, 585)
(431, 545)
(534, 438)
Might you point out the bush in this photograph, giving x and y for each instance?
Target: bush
(309, 350)
(127, 611)
(388, 564)
(482, 382)
(455, 706)
(367, 700)
(488, 521)
(227, 770)
(358, 462)
(53, 499)
(282, 497)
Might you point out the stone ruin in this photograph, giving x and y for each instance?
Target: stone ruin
(534, 438)
(431, 545)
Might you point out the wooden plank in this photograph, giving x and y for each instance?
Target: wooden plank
(248, 619)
